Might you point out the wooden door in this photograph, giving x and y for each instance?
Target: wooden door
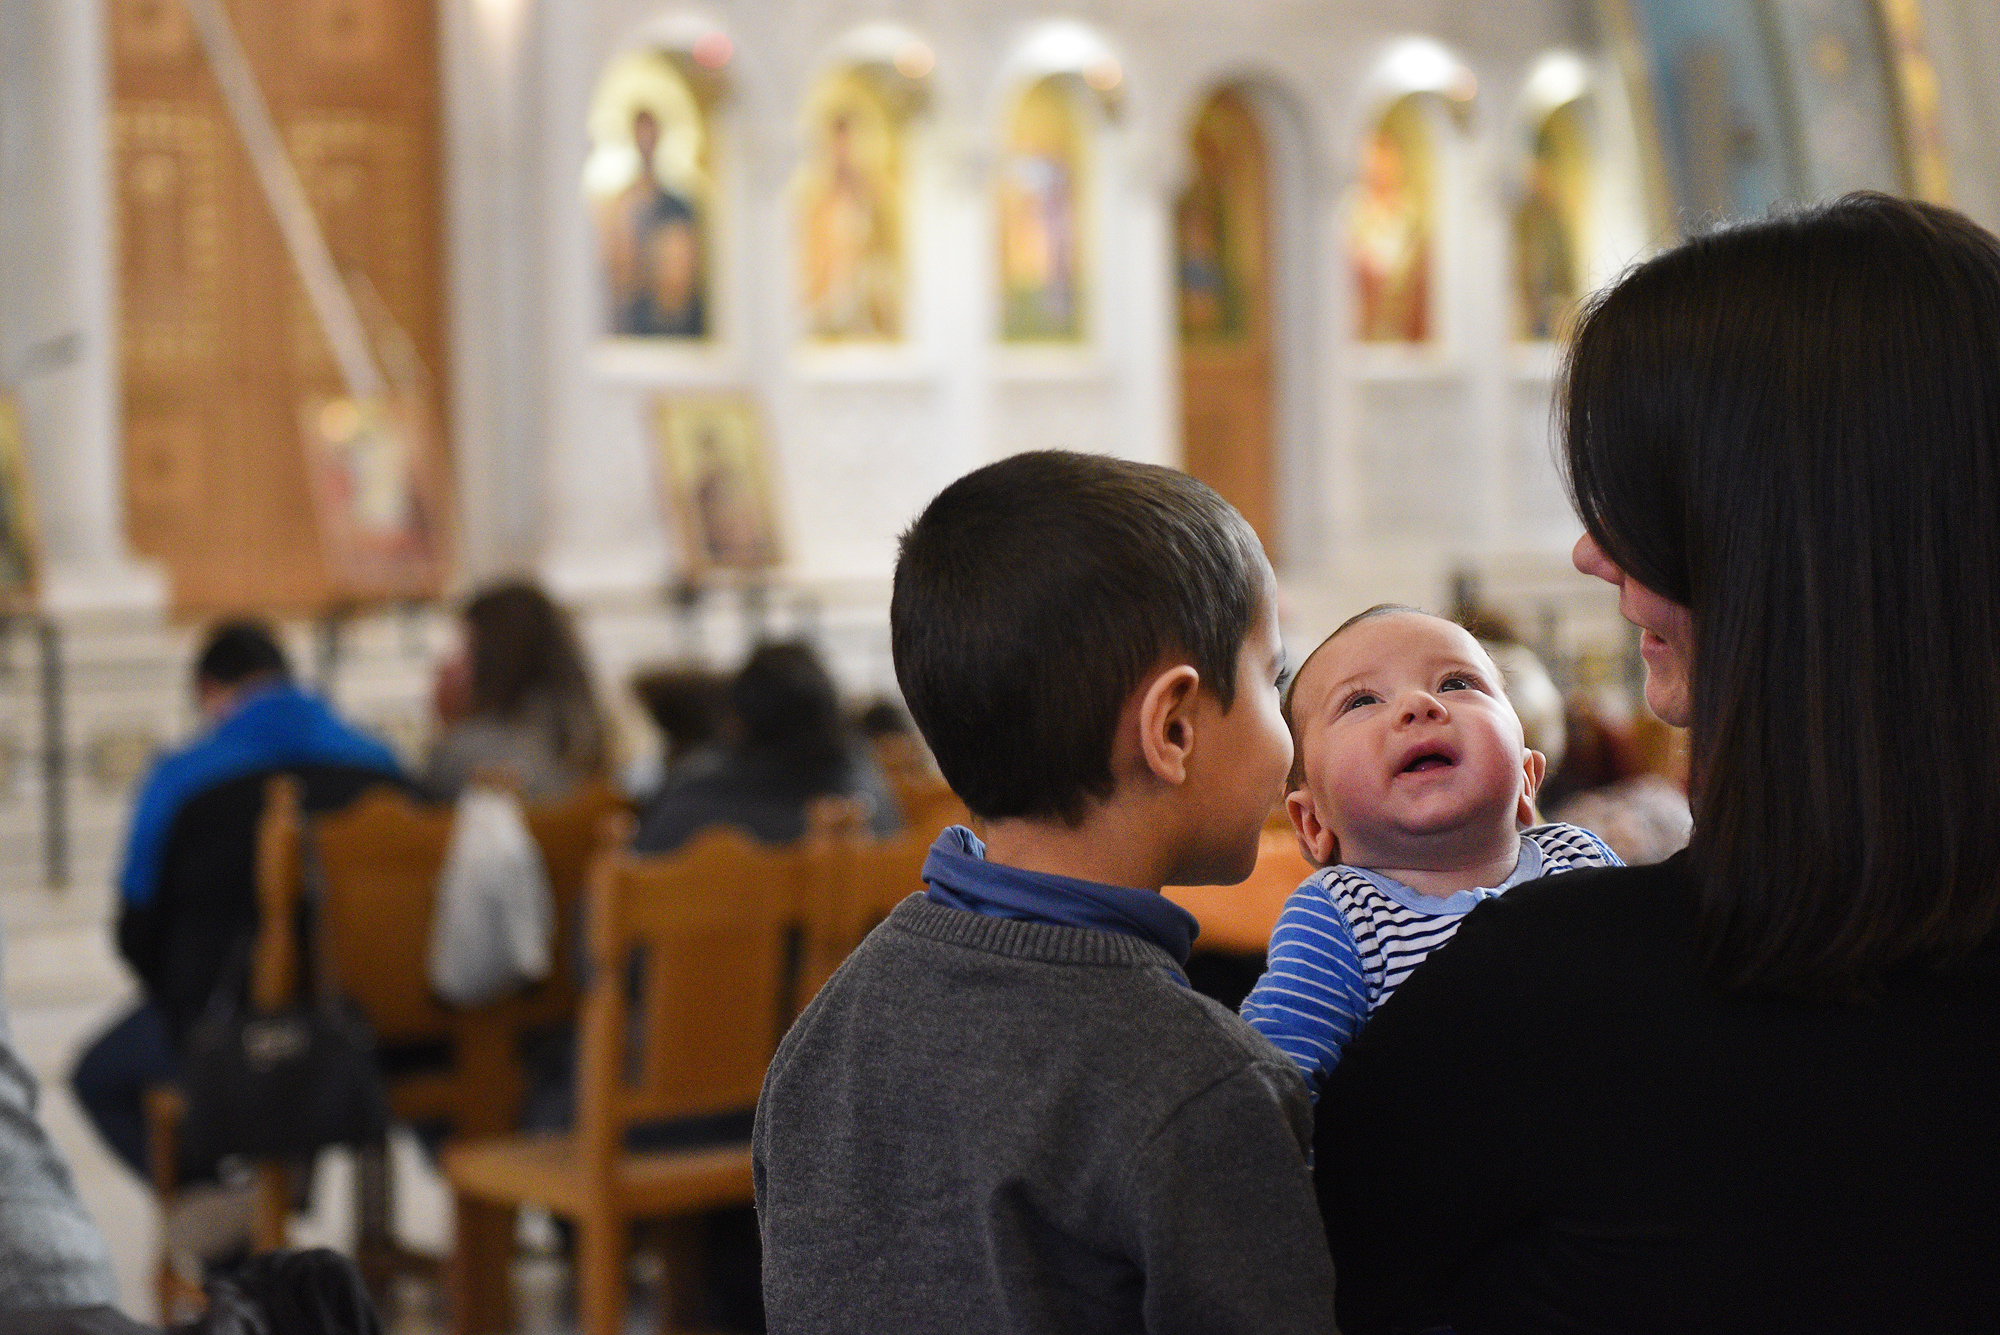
(1222, 226)
(220, 347)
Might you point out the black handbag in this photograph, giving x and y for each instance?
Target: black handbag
(282, 1083)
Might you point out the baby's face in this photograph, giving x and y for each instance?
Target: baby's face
(1412, 754)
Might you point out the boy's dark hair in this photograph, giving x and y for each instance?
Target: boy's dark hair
(1033, 596)
(1297, 778)
(1792, 428)
(239, 649)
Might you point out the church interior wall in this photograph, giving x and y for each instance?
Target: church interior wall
(1399, 469)
(863, 435)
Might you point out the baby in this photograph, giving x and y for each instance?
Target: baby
(1409, 787)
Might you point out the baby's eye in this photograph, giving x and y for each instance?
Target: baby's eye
(1456, 682)
(1360, 698)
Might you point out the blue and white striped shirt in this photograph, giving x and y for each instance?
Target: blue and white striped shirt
(1349, 936)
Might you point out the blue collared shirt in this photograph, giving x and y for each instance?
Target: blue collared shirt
(960, 877)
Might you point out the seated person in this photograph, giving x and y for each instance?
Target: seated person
(515, 703)
(1007, 1111)
(1409, 789)
(51, 1254)
(187, 892)
(787, 747)
(689, 706)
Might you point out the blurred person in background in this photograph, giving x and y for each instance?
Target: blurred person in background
(514, 704)
(187, 895)
(1625, 780)
(51, 1254)
(690, 707)
(787, 745)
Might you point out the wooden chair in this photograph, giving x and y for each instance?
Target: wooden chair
(274, 982)
(382, 859)
(929, 805)
(710, 925)
(853, 884)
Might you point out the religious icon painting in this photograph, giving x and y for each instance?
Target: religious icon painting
(1548, 227)
(850, 213)
(1220, 226)
(19, 547)
(715, 480)
(1833, 60)
(1042, 191)
(374, 496)
(649, 182)
(1223, 281)
(1391, 228)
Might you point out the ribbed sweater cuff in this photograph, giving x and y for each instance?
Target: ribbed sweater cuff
(1052, 943)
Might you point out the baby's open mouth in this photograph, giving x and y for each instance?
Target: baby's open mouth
(1430, 760)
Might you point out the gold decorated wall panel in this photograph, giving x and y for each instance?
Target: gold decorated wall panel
(222, 351)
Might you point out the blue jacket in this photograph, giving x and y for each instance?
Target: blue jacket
(275, 728)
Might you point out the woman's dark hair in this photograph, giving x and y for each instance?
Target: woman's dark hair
(787, 709)
(1792, 428)
(524, 654)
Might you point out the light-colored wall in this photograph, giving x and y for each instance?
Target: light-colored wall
(1396, 468)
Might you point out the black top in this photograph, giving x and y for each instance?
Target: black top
(760, 792)
(1557, 1125)
(181, 941)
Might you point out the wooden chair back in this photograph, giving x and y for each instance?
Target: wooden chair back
(381, 858)
(855, 881)
(705, 929)
(570, 832)
(274, 959)
(929, 805)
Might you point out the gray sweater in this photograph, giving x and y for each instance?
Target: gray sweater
(51, 1255)
(990, 1125)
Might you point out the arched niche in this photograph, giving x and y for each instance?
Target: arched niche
(650, 183)
(1045, 201)
(1408, 198)
(1574, 193)
(851, 198)
(1548, 237)
(1394, 225)
(1249, 332)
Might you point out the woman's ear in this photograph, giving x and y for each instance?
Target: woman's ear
(1166, 722)
(1533, 766)
(1319, 845)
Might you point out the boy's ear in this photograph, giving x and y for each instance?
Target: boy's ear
(1166, 722)
(1319, 845)
(1533, 766)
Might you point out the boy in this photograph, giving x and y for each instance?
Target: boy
(1008, 1111)
(1409, 788)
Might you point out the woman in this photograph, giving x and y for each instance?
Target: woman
(1756, 1087)
(516, 702)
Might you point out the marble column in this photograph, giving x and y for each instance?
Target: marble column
(58, 317)
(494, 142)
